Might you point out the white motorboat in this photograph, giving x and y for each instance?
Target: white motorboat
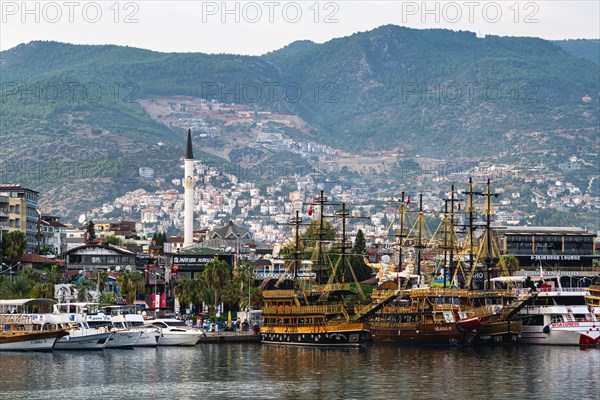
(82, 337)
(122, 337)
(130, 317)
(557, 315)
(174, 332)
(148, 335)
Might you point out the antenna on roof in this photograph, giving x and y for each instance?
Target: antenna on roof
(82, 218)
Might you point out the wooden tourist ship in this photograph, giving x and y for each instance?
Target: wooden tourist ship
(21, 329)
(297, 317)
(300, 312)
(411, 308)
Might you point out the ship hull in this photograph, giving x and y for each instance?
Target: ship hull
(498, 333)
(148, 339)
(421, 334)
(42, 341)
(319, 337)
(123, 340)
(584, 334)
(82, 342)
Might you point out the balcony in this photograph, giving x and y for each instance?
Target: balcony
(4, 199)
(3, 212)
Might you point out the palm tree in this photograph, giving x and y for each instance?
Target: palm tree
(101, 278)
(107, 298)
(217, 274)
(55, 274)
(188, 291)
(19, 288)
(83, 286)
(130, 282)
(43, 291)
(15, 243)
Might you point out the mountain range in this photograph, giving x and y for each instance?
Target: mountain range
(72, 125)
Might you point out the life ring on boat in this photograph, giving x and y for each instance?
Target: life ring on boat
(546, 329)
(452, 340)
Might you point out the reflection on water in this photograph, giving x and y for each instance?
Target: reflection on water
(277, 372)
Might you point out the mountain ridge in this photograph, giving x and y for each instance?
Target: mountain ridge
(435, 93)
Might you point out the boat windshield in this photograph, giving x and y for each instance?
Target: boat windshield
(137, 323)
(175, 323)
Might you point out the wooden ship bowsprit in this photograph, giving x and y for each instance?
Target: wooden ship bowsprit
(298, 311)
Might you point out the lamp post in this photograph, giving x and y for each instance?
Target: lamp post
(9, 268)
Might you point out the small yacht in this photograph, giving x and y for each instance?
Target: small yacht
(127, 317)
(174, 332)
(97, 319)
(556, 315)
(82, 336)
(122, 337)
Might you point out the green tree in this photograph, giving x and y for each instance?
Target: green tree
(114, 240)
(107, 298)
(359, 250)
(84, 286)
(130, 282)
(360, 245)
(18, 288)
(101, 280)
(55, 274)
(216, 274)
(91, 231)
(43, 291)
(188, 291)
(159, 238)
(15, 243)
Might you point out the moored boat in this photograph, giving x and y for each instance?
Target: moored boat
(174, 332)
(296, 318)
(21, 333)
(557, 315)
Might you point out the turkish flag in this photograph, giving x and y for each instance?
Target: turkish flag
(408, 200)
(458, 206)
(310, 211)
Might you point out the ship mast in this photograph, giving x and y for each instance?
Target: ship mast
(419, 246)
(400, 234)
(471, 212)
(320, 270)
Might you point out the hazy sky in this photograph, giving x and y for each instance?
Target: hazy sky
(256, 27)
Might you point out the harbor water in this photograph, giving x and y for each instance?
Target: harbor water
(254, 371)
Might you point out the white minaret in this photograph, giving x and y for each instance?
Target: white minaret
(189, 181)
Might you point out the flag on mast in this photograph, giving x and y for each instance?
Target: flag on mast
(310, 211)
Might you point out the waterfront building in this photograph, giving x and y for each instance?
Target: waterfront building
(95, 257)
(53, 234)
(22, 212)
(550, 247)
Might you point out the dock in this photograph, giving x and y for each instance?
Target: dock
(230, 337)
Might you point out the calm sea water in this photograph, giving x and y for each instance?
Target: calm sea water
(253, 371)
